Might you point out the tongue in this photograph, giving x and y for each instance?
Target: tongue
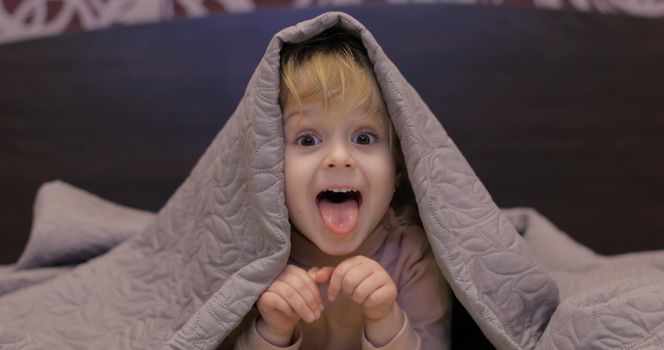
(340, 218)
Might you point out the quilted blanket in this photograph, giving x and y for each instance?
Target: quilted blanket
(96, 275)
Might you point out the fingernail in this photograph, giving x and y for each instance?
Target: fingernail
(317, 314)
(311, 317)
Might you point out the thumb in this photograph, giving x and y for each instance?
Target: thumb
(324, 274)
(312, 272)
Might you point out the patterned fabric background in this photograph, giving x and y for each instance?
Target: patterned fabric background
(24, 19)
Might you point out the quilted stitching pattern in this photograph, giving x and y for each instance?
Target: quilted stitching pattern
(73, 225)
(196, 269)
(614, 302)
(623, 313)
(489, 267)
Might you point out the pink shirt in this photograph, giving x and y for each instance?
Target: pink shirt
(423, 295)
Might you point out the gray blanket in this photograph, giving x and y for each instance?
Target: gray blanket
(96, 275)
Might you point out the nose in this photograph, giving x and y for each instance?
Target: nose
(339, 157)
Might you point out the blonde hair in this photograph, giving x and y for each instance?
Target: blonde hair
(334, 68)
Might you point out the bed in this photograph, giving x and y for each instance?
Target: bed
(559, 111)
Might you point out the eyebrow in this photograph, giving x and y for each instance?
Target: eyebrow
(289, 115)
(289, 118)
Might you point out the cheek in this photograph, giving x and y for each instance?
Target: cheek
(382, 170)
(389, 166)
(290, 174)
(298, 173)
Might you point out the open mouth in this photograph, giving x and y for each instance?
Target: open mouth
(339, 209)
(340, 196)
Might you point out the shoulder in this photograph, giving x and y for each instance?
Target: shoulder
(405, 247)
(415, 240)
(409, 240)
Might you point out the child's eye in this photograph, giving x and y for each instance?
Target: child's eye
(364, 138)
(307, 140)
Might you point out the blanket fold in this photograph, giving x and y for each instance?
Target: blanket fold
(185, 277)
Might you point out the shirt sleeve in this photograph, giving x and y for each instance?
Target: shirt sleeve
(406, 338)
(423, 293)
(250, 339)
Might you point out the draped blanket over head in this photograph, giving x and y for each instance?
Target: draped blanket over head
(185, 277)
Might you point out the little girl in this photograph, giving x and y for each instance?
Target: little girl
(361, 273)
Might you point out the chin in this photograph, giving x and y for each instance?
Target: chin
(340, 248)
(338, 252)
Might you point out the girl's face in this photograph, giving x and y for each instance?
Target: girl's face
(340, 175)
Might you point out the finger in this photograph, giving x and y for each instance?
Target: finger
(301, 281)
(386, 293)
(312, 272)
(273, 301)
(338, 276)
(298, 284)
(354, 277)
(318, 276)
(311, 285)
(367, 286)
(323, 275)
(294, 299)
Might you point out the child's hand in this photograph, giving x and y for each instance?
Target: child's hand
(293, 295)
(365, 282)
